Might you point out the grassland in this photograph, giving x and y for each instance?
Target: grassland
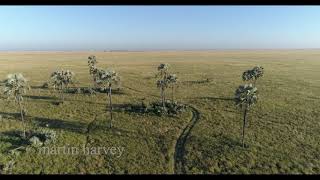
(282, 135)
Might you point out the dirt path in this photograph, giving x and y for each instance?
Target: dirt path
(178, 161)
(178, 164)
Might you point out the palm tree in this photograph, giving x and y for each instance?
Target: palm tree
(106, 79)
(15, 86)
(172, 81)
(247, 75)
(258, 72)
(162, 82)
(92, 60)
(61, 80)
(163, 70)
(245, 98)
(253, 74)
(93, 70)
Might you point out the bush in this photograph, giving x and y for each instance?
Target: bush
(88, 90)
(171, 108)
(42, 137)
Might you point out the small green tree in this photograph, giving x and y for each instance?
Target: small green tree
(162, 82)
(15, 86)
(61, 80)
(93, 70)
(106, 79)
(245, 98)
(172, 81)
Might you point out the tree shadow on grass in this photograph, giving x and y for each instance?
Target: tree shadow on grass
(14, 138)
(41, 97)
(39, 87)
(9, 115)
(85, 91)
(217, 98)
(197, 81)
(77, 127)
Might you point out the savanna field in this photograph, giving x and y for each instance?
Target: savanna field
(282, 133)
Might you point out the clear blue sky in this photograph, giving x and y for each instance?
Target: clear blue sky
(158, 27)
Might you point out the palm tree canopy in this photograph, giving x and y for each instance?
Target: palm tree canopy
(15, 85)
(246, 96)
(254, 73)
(92, 60)
(63, 77)
(258, 72)
(172, 79)
(248, 75)
(107, 77)
(163, 66)
(163, 69)
(162, 83)
(93, 70)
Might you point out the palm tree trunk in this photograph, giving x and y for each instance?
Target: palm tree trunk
(110, 105)
(22, 118)
(94, 82)
(172, 94)
(244, 125)
(61, 93)
(162, 97)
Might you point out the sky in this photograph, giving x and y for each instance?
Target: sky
(158, 27)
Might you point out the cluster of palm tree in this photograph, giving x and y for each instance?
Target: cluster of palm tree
(166, 79)
(246, 95)
(16, 85)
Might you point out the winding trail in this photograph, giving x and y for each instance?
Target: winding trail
(178, 163)
(178, 158)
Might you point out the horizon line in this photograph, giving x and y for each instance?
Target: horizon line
(161, 50)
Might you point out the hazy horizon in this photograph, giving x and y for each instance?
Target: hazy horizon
(158, 28)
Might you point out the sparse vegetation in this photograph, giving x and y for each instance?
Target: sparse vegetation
(198, 135)
(15, 86)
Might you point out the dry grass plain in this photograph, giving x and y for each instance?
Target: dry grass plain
(283, 131)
